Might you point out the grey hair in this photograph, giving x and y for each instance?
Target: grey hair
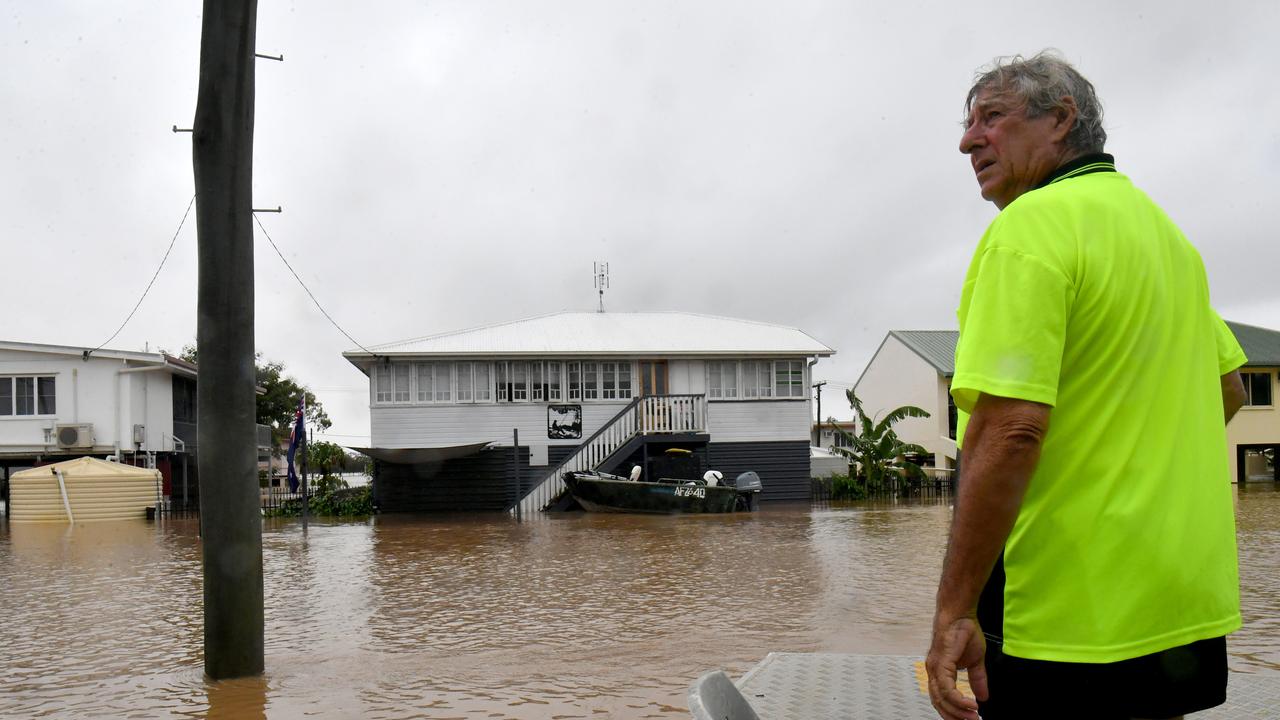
(1039, 83)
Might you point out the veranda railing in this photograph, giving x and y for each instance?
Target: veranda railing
(647, 415)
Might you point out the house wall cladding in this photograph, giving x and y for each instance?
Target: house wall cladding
(759, 421)
(481, 482)
(416, 425)
(783, 467)
(92, 392)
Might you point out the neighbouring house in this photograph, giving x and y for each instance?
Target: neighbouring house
(1253, 435)
(59, 402)
(914, 367)
(579, 390)
(828, 438)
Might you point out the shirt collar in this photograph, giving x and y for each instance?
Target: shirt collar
(1083, 165)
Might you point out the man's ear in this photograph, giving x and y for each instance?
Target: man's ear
(1065, 116)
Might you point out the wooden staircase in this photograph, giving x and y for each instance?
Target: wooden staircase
(645, 416)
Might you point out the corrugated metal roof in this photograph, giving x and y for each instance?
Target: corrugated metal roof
(152, 357)
(177, 365)
(1261, 345)
(937, 347)
(612, 333)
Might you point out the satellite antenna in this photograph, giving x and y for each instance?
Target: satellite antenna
(601, 270)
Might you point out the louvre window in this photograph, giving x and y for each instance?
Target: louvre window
(757, 379)
(590, 381)
(462, 371)
(722, 380)
(573, 376)
(391, 383)
(788, 378)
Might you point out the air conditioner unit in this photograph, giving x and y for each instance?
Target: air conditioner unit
(79, 435)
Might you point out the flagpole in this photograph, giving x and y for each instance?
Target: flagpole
(306, 449)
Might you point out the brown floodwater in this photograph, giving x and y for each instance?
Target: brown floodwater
(565, 616)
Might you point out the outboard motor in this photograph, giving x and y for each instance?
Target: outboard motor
(749, 488)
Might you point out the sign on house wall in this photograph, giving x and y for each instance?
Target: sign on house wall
(564, 422)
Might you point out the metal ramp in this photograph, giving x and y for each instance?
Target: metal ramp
(647, 415)
(833, 686)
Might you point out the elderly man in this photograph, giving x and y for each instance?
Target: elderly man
(1094, 503)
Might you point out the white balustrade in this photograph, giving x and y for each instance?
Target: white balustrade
(648, 415)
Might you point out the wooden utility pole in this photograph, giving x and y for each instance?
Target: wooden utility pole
(817, 435)
(230, 518)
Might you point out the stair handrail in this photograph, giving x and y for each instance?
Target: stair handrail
(631, 406)
(691, 409)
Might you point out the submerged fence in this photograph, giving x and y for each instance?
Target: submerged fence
(272, 498)
(939, 484)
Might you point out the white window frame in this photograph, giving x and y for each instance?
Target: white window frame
(753, 372)
(722, 380)
(35, 378)
(626, 381)
(501, 372)
(730, 380)
(439, 377)
(554, 380)
(464, 389)
(573, 380)
(590, 380)
(608, 380)
(472, 382)
(537, 388)
(483, 389)
(443, 372)
(799, 387)
(420, 369)
(519, 390)
(390, 373)
(545, 381)
(1248, 388)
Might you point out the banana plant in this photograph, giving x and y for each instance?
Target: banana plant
(876, 450)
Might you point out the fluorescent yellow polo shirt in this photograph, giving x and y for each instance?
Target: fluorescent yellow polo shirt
(1083, 295)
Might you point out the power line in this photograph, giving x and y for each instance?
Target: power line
(304, 285)
(87, 353)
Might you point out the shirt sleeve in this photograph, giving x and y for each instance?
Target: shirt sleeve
(1230, 355)
(1012, 329)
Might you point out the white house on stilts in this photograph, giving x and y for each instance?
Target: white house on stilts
(585, 389)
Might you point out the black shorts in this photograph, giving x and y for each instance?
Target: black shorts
(1166, 684)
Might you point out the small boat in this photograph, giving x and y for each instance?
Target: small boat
(602, 492)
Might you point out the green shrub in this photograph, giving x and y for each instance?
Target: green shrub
(848, 487)
(329, 500)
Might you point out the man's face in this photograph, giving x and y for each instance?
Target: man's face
(1010, 152)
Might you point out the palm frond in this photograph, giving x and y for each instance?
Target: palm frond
(899, 414)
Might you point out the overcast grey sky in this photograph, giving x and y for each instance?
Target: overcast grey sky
(444, 165)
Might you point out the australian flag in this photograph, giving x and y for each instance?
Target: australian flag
(295, 438)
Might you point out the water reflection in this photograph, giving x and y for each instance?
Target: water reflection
(572, 616)
(238, 699)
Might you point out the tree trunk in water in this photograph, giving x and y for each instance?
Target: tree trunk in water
(230, 518)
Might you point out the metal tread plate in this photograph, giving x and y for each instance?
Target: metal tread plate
(816, 686)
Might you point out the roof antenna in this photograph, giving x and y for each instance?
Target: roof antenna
(601, 270)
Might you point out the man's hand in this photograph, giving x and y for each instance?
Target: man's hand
(956, 644)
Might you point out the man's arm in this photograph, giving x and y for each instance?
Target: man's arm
(1233, 396)
(1001, 448)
